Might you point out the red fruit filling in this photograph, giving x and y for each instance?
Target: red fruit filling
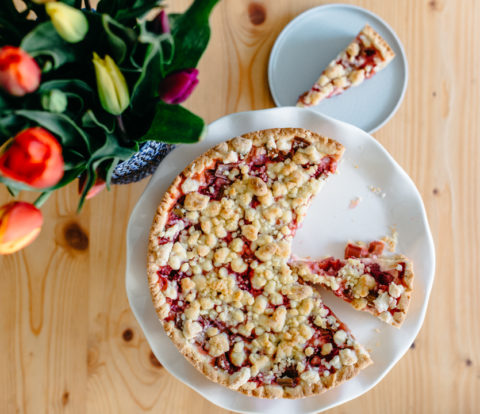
(367, 57)
(355, 251)
(215, 183)
(223, 362)
(383, 278)
(375, 248)
(289, 377)
(244, 282)
(330, 266)
(323, 336)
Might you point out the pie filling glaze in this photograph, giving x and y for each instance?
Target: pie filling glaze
(220, 275)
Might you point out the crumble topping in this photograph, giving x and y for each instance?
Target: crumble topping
(379, 285)
(366, 55)
(223, 273)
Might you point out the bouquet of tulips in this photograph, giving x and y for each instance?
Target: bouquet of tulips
(82, 89)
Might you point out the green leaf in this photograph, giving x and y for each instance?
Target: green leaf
(173, 19)
(45, 41)
(90, 120)
(3, 100)
(119, 38)
(91, 176)
(62, 126)
(10, 124)
(191, 33)
(174, 124)
(109, 171)
(146, 86)
(13, 191)
(73, 159)
(75, 86)
(69, 176)
(16, 186)
(74, 3)
(111, 149)
(127, 10)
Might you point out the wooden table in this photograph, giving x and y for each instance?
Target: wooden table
(69, 341)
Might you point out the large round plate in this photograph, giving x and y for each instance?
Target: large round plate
(328, 225)
(311, 40)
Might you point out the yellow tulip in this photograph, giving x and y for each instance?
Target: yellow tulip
(69, 22)
(111, 85)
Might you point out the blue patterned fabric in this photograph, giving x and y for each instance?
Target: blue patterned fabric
(142, 164)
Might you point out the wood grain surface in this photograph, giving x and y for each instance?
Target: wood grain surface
(69, 342)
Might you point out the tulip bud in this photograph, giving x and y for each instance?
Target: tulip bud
(20, 224)
(160, 23)
(69, 22)
(33, 157)
(54, 101)
(19, 73)
(111, 85)
(178, 86)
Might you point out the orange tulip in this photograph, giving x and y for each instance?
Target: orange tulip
(34, 157)
(19, 73)
(20, 224)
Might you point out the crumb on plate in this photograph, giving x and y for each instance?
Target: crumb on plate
(377, 190)
(355, 202)
(392, 240)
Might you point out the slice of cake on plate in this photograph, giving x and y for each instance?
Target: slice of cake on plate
(366, 55)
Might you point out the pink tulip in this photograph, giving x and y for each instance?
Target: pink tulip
(178, 86)
(160, 23)
(19, 73)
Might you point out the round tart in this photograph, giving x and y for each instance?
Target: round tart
(219, 270)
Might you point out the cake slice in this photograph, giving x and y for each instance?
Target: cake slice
(369, 281)
(366, 55)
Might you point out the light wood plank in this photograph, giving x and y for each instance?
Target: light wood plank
(70, 343)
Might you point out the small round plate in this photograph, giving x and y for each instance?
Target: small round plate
(329, 224)
(307, 45)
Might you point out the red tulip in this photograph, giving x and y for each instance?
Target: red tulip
(34, 157)
(178, 86)
(20, 224)
(19, 73)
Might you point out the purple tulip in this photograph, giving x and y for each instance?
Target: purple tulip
(160, 23)
(178, 86)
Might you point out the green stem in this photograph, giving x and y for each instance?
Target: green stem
(123, 131)
(13, 191)
(42, 198)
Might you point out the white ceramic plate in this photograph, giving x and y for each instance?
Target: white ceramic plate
(311, 40)
(328, 225)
